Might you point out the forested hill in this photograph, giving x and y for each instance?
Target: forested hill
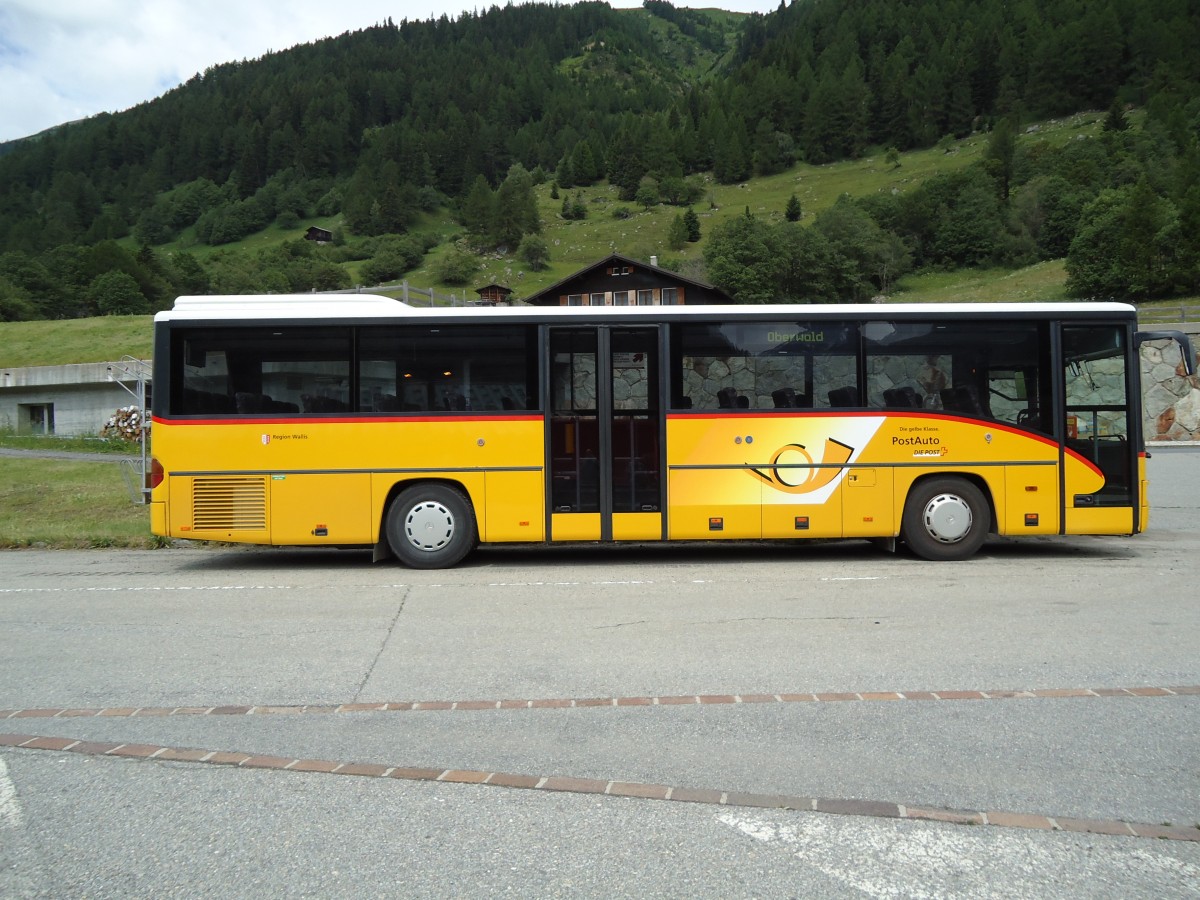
(372, 128)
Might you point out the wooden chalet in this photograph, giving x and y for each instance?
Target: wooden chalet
(493, 294)
(620, 281)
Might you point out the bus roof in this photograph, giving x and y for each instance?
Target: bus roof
(325, 307)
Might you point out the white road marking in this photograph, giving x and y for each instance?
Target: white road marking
(147, 588)
(886, 858)
(10, 805)
(112, 589)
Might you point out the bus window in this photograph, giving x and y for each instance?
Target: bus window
(763, 365)
(447, 368)
(982, 370)
(263, 371)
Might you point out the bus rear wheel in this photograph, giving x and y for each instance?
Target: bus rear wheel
(945, 519)
(431, 526)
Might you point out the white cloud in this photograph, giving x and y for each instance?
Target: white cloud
(68, 59)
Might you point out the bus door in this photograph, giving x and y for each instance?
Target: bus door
(605, 426)
(1101, 440)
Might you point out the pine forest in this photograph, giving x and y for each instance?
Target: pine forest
(437, 145)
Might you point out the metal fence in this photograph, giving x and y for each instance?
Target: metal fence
(1161, 313)
(414, 296)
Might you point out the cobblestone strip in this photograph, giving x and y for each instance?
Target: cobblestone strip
(577, 703)
(561, 783)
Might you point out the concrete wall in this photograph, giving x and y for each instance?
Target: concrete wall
(83, 396)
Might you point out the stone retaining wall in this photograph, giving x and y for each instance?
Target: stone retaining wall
(1170, 397)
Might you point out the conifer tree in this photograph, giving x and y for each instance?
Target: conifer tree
(477, 209)
(1115, 121)
(677, 234)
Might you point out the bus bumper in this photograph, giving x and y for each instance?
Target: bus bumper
(158, 518)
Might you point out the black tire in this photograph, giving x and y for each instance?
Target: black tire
(945, 519)
(431, 526)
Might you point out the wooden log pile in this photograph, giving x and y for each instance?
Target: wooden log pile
(126, 424)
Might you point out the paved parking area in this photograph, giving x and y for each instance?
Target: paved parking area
(656, 721)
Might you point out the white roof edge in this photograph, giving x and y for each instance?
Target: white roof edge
(257, 306)
(350, 306)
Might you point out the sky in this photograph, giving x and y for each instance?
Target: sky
(62, 60)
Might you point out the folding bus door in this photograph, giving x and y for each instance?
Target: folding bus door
(1101, 443)
(605, 426)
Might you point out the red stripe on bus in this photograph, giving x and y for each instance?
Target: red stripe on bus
(340, 420)
(871, 413)
(1087, 462)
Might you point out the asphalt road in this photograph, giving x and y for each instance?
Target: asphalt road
(1063, 666)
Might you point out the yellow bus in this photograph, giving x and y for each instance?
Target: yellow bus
(361, 421)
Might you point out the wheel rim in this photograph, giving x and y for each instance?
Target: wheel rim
(429, 526)
(947, 518)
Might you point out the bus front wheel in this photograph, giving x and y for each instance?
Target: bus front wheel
(945, 519)
(431, 526)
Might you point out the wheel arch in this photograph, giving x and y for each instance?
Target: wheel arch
(973, 478)
(382, 549)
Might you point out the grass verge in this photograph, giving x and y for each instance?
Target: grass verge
(69, 504)
(11, 440)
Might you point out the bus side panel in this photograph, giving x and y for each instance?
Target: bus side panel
(710, 493)
(637, 526)
(750, 476)
(304, 476)
(1083, 478)
(158, 516)
(497, 461)
(869, 509)
(709, 504)
(1144, 492)
(1018, 469)
(1100, 520)
(321, 508)
(1030, 501)
(515, 507)
(784, 517)
(1111, 520)
(576, 526)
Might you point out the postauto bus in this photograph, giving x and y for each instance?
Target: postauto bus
(361, 421)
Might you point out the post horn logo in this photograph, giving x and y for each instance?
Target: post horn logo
(794, 471)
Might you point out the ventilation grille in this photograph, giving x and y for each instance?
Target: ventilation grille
(229, 503)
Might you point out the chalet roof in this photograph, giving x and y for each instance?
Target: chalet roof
(618, 259)
(494, 288)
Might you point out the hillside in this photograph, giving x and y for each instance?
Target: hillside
(644, 234)
(579, 243)
(433, 151)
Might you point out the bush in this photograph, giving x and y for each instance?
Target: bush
(535, 252)
(647, 193)
(117, 294)
(392, 256)
(455, 266)
(288, 219)
(574, 208)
